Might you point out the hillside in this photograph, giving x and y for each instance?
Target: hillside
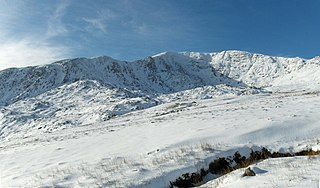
(163, 73)
(104, 122)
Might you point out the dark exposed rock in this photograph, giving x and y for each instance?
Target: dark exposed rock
(249, 172)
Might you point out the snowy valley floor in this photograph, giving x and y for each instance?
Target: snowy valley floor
(151, 147)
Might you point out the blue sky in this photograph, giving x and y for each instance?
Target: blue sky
(37, 32)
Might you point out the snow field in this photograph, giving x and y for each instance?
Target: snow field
(151, 147)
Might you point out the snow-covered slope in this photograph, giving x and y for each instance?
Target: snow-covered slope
(104, 122)
(155, 75)
(163, 73)
(261, 70)
(151, 147)
(283, 172)
(82, 91)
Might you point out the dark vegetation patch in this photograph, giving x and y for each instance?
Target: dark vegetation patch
(224, 165)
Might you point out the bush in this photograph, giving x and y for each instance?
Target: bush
(307, 152)
(220, 166)
(186, 180)
(240, 160)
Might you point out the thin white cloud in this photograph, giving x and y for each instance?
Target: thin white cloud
(55, 23)
(96, 23)
(100, 21)
(142, 29)
(26, 53)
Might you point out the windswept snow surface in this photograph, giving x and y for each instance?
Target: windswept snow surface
(284, 172)
(101, 122)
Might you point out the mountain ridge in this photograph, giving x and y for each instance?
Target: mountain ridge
(162, 73)
(160, 77)
(81, 91)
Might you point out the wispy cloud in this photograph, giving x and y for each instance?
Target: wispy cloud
(99, 22)
(96, 23)
(37, 32)
(146, 20)
(55, 25)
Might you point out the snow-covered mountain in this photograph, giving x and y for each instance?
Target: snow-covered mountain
(160, 74)
(84, 96)
(261, 70)
(82, 91)
(167, 72)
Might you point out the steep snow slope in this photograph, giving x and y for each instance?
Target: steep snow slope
(70, 105)
(163, 73)
(156, 75)
(261, 70)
